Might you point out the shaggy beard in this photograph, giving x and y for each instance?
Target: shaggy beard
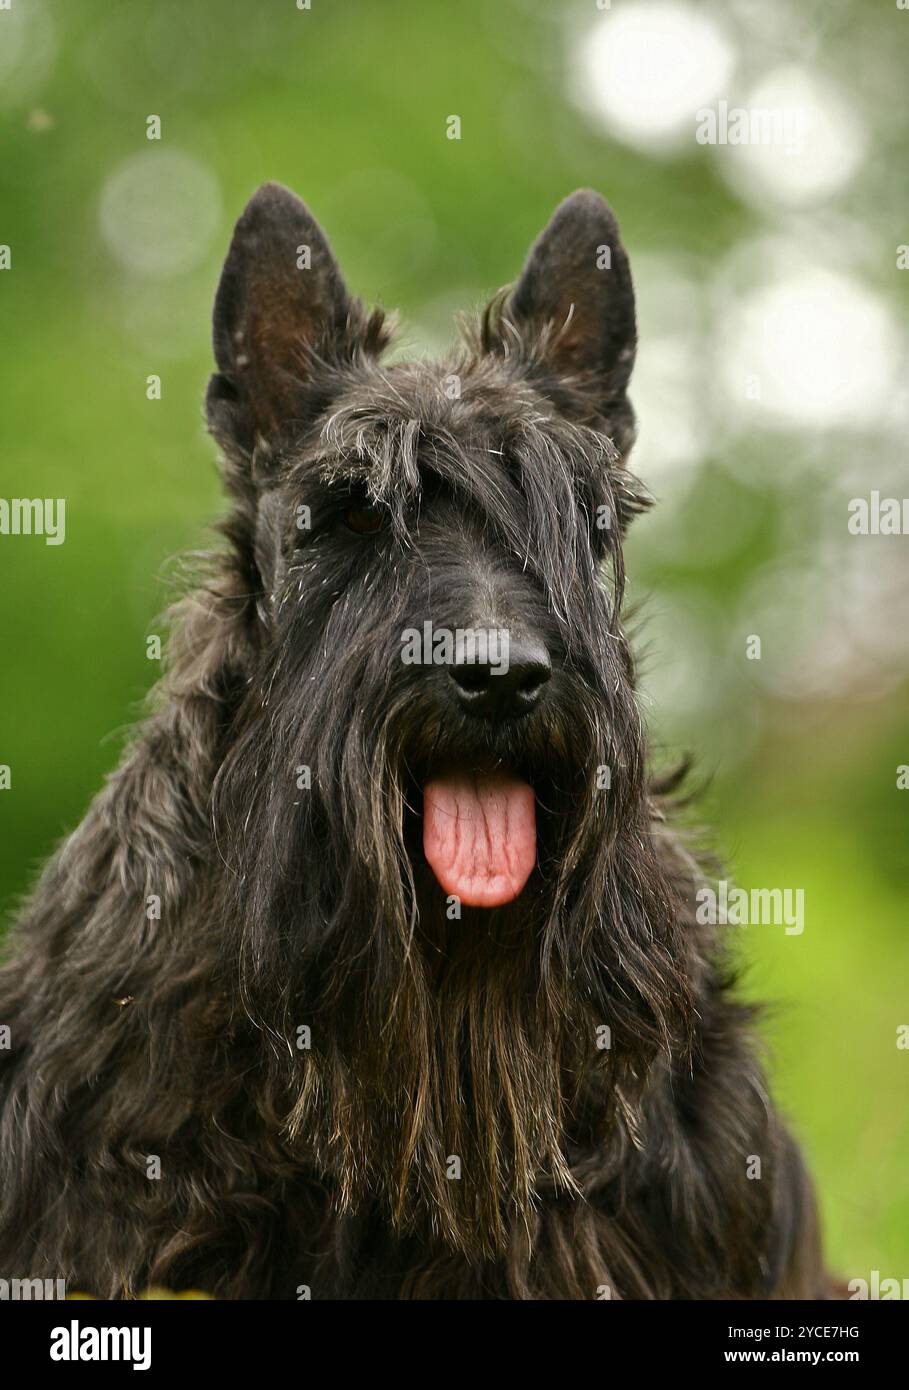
(453, 1073)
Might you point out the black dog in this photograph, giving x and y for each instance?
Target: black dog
(374, 970)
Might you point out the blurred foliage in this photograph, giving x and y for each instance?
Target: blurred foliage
(347, 104)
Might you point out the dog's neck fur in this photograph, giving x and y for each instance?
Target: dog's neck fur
(483, 1083)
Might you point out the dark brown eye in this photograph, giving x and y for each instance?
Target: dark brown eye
(363, 519)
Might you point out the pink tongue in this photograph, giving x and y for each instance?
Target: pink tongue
(480, 836)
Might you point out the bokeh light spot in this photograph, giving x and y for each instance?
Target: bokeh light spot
(819, 146)
(159, 211)
(821, 349)
(643, 70)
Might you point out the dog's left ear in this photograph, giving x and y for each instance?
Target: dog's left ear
(282, 309)
(574, 307)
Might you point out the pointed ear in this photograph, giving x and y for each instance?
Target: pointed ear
(281, 307)
(573, 309)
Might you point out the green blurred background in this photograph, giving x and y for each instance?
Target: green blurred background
(771, 383)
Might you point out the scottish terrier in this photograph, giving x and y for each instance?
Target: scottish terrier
(375, 970)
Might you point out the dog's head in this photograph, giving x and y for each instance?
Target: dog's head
(438, 547)
(435, 786)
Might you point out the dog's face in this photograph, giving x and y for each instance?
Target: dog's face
(432, 808)
(439, 546)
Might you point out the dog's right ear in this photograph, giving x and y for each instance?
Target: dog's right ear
(281, 309)
(572, 309)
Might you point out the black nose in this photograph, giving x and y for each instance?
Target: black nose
(508, 689)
